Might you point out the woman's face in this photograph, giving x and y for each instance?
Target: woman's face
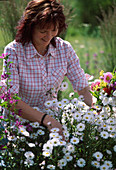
(42, 37)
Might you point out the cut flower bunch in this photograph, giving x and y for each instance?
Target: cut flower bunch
(104, 89)
(90, 134)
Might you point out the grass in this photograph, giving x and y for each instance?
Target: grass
(2, 44)
(89, 50)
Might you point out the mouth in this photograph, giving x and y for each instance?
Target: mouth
(45, 40)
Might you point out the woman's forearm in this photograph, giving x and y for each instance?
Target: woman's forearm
(27, 112)
(87, 95)
(31, 114)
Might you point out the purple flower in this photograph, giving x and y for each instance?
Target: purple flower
(95, 55)
(107, 77)
(113, 86)
(87, 62)
(29, 127)
(4, 76)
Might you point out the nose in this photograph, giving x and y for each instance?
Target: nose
(49, 35)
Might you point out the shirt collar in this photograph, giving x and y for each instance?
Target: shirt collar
(31, 51)
(52, 50)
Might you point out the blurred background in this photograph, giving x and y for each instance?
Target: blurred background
(91, 30)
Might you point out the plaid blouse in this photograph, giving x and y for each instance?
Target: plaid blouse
(34, 75)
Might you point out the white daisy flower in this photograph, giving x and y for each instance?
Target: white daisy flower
(75, 101)
(62, 162)
(111, 121)
(114, 148)
(98, 155)
(23, 131)
(64, 86)
(46, 153)
(113, 135)
(114, 93)
(81, 98)
(40, 132)
(55, 142)
(105, 101)
(68, 157)
(36, 108)
(104, 167)
(22, 139)
(29, 155)
(47, 147)
(77, 116)
(70, 148)
(81, 162)
(104, 134)
(31, 145)
(53, 135)
(48, 103)
(50, 142)
(66, 134)
(64, 101)
(54, 102)
(28, 162)
(80, 127)
(71, 94)
(104, 126)
(33, 135)
(87, 117)
(95, 164)
(60, 105)
(108, 163)
(50, 167)
(54, 130)
(111, 128)
(103, 115)
(108, 152)
(34, 124)
(62, 143)
(65, 151)
(74, 140)
(12, 138)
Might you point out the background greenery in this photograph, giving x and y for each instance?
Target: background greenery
(91, 30)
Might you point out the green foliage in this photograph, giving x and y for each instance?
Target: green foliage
(88, 10)
(89, 48)
(108, 34)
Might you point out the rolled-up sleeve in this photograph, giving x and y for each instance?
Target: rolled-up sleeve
(14, 76)
(75, 73)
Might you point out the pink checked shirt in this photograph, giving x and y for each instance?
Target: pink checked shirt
(33, 75)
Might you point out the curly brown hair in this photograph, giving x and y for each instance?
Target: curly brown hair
(42, 13)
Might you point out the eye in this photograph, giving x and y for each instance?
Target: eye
(43, 32)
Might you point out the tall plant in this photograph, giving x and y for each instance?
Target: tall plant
(108, 34)
(11, 11)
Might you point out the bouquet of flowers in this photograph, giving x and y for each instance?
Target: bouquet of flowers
(104, 90)
(90, 138)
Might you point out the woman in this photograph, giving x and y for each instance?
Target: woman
(41, 60)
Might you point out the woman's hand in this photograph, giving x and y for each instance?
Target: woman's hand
(50, 123)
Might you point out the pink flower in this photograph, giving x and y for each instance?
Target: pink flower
(107, 77)
(1, 117)
(3, 55)
(94, 85)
